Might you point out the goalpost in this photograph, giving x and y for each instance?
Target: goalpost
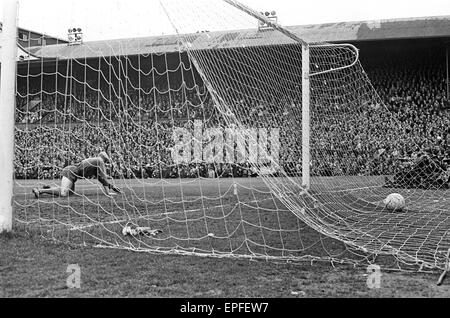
(229, 142)
(306, 158)
(8, 55)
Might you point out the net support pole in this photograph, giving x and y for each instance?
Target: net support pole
(446, 67)
(305, 85)
(8, 54)
(306, 159)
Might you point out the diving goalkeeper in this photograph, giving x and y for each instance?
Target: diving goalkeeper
(90, 167)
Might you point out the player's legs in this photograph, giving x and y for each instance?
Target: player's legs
(67, 187)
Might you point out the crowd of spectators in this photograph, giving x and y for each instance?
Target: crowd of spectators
(361, 135)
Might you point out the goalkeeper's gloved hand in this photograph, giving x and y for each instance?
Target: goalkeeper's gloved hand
(116, 189)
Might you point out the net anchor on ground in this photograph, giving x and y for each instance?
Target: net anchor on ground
(446, 269)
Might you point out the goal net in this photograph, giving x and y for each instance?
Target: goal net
(204, 130)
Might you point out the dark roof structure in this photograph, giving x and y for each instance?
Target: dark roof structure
(394, 29)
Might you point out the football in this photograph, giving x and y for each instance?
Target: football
(394, 201)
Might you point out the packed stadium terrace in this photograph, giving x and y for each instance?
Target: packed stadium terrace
(56, 127)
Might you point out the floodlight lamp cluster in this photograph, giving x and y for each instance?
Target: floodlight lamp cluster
(75, 36)
(75, 30)
(271, 15)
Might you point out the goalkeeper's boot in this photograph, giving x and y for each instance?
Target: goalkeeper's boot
(36, 193)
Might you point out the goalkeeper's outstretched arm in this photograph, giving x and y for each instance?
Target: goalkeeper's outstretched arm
(103, 179)
(109, 186)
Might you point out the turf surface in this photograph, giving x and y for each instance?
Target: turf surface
(34, 259)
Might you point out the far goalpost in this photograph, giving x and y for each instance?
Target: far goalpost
(306, 74)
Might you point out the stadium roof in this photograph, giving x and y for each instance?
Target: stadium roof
(28, 38)
(410, 28)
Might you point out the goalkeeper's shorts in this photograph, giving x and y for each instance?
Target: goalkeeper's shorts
(70, 173)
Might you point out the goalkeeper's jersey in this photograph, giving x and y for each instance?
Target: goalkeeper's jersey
(88, 168)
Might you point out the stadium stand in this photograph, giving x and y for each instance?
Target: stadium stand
(409, 76)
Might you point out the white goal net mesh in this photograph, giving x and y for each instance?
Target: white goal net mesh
(204, 132)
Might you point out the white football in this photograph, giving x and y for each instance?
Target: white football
(394, 201)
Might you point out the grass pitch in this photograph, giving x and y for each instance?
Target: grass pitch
(33, 262)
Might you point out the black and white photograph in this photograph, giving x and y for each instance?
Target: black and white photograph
(224, 154)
